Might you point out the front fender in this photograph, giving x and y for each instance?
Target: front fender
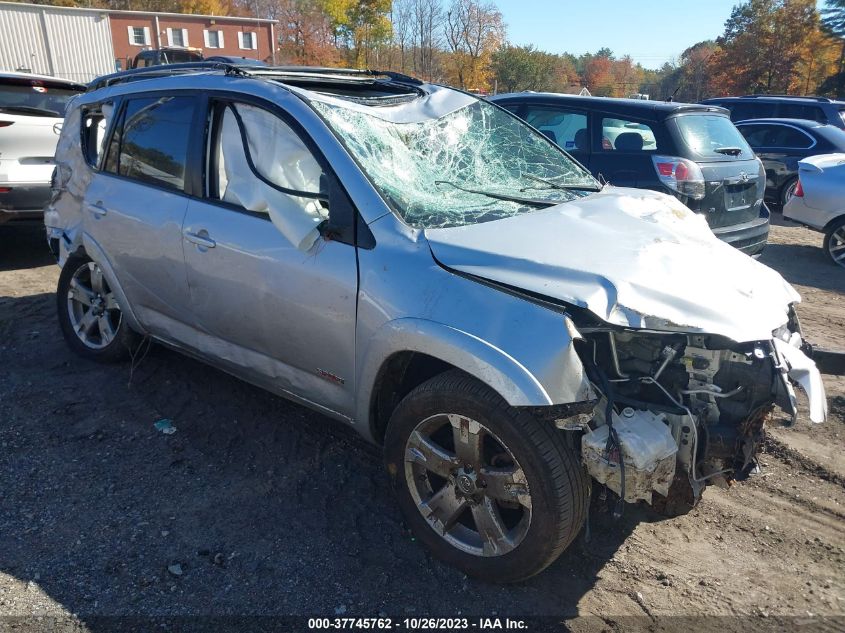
(548, 375)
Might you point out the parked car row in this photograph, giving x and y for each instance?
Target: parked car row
(692, 152)
(427, 267)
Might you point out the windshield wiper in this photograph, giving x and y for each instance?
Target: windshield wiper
(729, 151)
(29, 110)
(500, 196)
(555, 185)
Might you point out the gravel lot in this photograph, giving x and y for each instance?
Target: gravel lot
(258, 506)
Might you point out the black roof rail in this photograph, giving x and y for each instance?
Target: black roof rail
(162, 70)
(808, 98)
(326, 70)
(165, 70)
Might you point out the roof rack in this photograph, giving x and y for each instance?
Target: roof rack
(165, 70)
(162, 70)
(807, 98)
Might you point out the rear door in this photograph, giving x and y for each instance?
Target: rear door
(136, 202)
(734, 178)
(622, 147)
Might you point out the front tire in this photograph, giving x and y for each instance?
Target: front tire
(89, 316)
(834, 242)
(487, 487)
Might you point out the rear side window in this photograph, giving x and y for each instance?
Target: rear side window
(743, 110)
(786, 136)
(712, 137)
(774, 135)
(151, 142)
(621, 135)
(799, 111)
(566, 128)
(95, 121)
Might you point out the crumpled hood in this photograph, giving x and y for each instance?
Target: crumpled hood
(632, 257)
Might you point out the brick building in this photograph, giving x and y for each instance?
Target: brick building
(133, 31)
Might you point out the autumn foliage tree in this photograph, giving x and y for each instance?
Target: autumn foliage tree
(473, 32)
(770, 46)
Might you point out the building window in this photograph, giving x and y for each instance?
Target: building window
(177, 37)
(139, 35)
(248, 40)
(213, 39)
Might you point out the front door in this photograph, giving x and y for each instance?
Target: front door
(274, 300)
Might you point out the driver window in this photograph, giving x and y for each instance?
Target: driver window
(262, 166)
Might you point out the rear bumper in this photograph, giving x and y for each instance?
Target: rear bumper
(749, 237)
(798, 211)
(23, 202)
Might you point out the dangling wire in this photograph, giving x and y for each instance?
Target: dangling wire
(137, 356)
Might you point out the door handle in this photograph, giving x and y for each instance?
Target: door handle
(97, 209)
(200, 240)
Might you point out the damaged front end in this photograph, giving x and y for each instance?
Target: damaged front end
(680, 411)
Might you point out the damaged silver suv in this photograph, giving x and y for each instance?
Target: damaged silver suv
(426, 267)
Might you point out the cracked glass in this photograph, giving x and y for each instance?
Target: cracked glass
(475, 164)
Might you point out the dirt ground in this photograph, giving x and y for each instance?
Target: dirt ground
(258, 506)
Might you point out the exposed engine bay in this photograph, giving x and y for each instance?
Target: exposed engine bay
(678, 411)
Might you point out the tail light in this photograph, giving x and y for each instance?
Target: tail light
(681, 175)
(5, 189)
(799, 190)
(5, 123)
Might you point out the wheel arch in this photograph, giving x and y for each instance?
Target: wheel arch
(406, 352)
(89, 248)
(839, 218)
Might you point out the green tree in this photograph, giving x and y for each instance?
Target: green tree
(517, 68)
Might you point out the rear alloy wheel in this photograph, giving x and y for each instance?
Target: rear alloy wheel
(488, 488)
(788, 191)
(834, 242)
(89, 315)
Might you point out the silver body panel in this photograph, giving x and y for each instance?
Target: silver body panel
(317, 326)
(823, 180)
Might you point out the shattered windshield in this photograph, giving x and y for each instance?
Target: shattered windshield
(474, 164)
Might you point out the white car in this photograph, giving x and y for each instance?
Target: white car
(32, 109)
(819, 201)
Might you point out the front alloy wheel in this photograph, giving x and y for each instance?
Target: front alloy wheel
(485, 486)
(467, 485)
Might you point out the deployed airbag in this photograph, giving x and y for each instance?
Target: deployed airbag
(280, 158)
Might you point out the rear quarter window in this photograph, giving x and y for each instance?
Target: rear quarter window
(744, 110)
(800, 111)
(710, 137)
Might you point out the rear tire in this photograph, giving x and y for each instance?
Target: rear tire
(486, 487)
(89, 316)
(787, 191)
(834, 242)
